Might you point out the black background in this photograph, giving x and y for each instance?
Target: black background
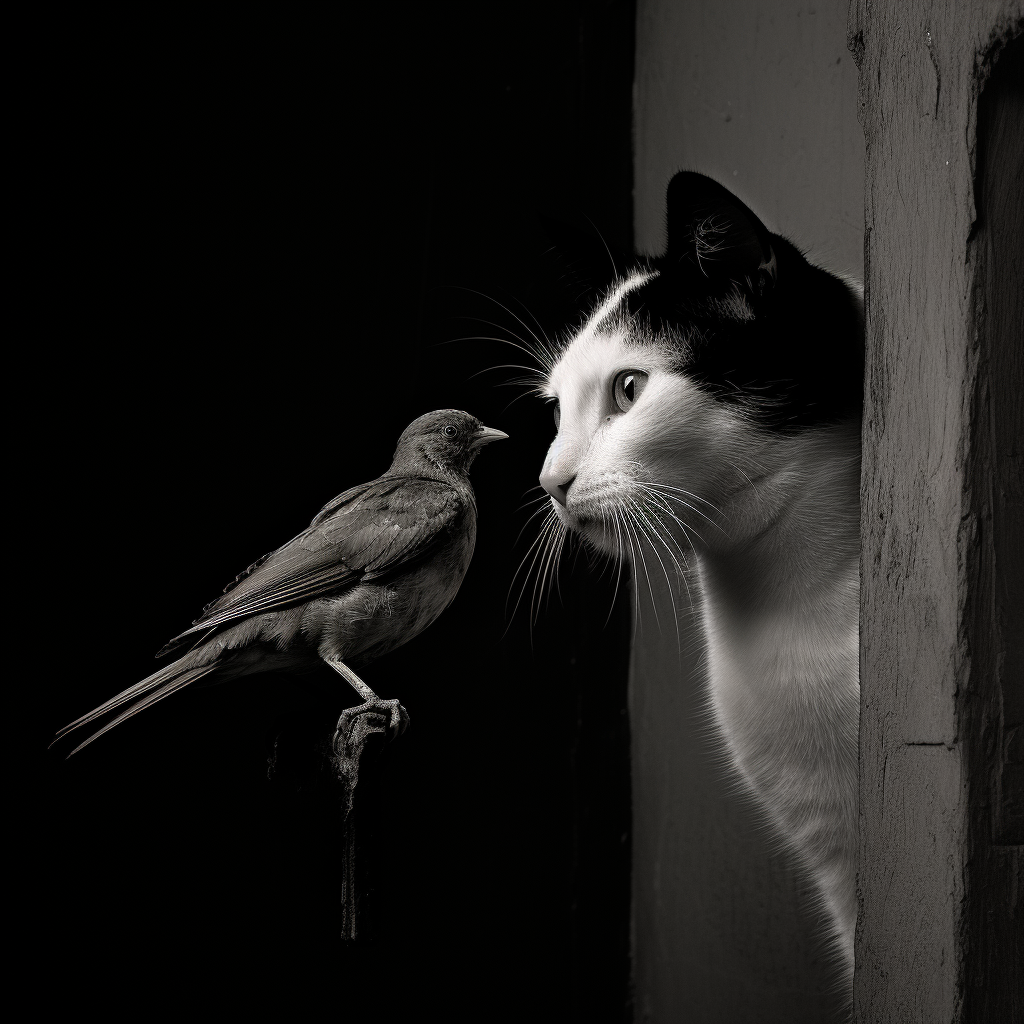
(250, 239)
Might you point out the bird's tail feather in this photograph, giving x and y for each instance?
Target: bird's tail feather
(142, 695)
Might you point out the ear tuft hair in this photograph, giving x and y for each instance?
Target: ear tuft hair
(716, 233)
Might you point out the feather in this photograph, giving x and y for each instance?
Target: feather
(176, 683)
(371, 532)
(176, 675)
(376, 536)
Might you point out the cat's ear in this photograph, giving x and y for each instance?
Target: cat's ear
(583, 254)
(717, 234)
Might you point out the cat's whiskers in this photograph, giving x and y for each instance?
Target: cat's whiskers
(536, 377)
(550, 346)
(549, 569)
(519, 343)
(631, 525)
(751, 485)
(525, 394)
(636, 589)
(640, 517)
(648, 484)
(535, 381)
(545, 346)
(689, 494)
(619, 561)
(781, 687)
(551, 553)
(533, 501)
(651, 509)
(665, 535)
(657, 499)
(615, 270)
(538, 580)
(537, 546)
(612, 520)
(533, 515)
(542, 561)
(524, 382)
(670, 541)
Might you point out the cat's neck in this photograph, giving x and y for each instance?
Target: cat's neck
(789, 523)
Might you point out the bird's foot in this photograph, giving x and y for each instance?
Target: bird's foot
(376, 716)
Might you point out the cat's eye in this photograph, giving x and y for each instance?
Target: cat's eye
(628, 386)
(449, 431)
(558, 414)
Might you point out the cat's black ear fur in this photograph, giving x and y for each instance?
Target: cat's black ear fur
(715, 234)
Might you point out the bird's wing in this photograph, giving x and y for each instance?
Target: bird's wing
(365, 534)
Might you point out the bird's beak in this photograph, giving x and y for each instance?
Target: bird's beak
(485, 435)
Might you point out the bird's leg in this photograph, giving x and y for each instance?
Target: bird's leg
(354, 727)
(372, 716)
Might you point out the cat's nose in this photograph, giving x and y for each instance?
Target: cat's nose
(556, 485)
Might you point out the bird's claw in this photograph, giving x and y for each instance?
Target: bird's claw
(375, 716)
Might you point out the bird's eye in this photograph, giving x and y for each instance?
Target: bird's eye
(449, 431)
(558, 414)
(628, 386)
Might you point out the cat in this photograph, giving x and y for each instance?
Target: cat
(711, 405)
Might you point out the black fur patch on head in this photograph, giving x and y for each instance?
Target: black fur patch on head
(763, 327)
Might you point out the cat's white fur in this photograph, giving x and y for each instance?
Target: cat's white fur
(771, 523)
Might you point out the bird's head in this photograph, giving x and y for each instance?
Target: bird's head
(447, 439)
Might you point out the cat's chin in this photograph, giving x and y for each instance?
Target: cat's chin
(595, 531)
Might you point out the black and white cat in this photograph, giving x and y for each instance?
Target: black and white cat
(711, 405)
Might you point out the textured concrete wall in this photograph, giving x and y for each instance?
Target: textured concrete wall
(762, 96)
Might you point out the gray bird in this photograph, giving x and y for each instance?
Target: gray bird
(376, 567)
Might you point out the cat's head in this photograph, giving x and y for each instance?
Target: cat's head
(688, 363)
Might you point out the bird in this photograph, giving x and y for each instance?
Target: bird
(376, 566)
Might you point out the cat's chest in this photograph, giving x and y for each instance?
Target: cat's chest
(769, 663)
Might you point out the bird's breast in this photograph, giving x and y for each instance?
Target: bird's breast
(377, 616)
